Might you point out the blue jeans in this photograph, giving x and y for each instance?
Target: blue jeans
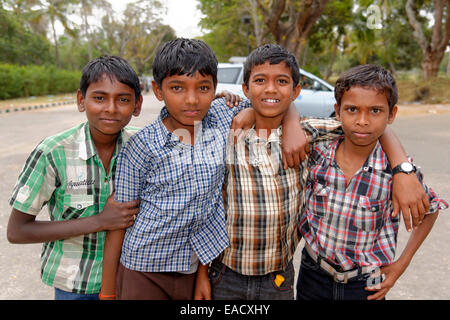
(227, 284)
(65, 295)
(313, 283)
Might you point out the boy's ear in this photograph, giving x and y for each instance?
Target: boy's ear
(138, 106)
(245, 89)
(392, 114)
(157, 91)
(297, 90)
(336, 111)
(80, 101)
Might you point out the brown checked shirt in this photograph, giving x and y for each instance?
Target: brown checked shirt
(263, 200)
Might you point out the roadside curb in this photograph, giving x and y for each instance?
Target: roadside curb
(39, 106)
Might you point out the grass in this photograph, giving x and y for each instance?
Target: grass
(436, 91)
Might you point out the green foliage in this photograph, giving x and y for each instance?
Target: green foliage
(18, 45)
(22, 81)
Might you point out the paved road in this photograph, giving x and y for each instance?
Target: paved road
(427, 138)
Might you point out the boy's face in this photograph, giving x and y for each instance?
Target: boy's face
(109, 106)
(187, 99)
(270, 89)
(364, 114)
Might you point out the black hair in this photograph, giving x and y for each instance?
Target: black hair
(184, 56)
(275, 54)
(112, 67)
(367, 76)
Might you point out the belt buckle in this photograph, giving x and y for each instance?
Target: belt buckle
(339, 280)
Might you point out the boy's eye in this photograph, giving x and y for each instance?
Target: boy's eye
(98, 98)
(124, 100)
(351, 109)
(258, 80)
(176, 88)
(282, 81)
(376, 110)
(204, 88)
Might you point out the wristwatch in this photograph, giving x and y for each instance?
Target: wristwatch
(405, 167)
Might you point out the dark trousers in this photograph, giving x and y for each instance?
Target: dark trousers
(227, 284)
(136, 285)
(313, 283)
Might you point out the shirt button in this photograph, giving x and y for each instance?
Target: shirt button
(366, 168)
(79, 206)
(374, 208)
(324, 192)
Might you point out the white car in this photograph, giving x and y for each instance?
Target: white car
(316, 98)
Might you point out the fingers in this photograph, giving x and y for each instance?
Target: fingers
(415, 216)
(131, 204)
(406, 218)
(396, 208)
(289, 160)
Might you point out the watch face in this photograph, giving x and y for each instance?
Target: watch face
(406, 166)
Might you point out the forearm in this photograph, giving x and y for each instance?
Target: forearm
(291, 116)
(111, 256)
(23, 228)
(417, 237)
(393, 148)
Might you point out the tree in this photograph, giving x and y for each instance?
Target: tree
(134, 36)
(86, 10)
(434, 46)
(290, 21)
(18, 44)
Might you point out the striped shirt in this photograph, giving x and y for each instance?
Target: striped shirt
(65, 172)
(349, 223)
(179, 186)
(263, 200)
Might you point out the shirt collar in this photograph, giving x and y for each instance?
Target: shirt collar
(86, 146)
(166, 137)
(376, 160)
(252, 137)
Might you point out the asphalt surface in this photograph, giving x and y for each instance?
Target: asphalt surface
(425, 137)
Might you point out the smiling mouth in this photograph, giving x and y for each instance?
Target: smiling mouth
(109, 120)
(271, 100)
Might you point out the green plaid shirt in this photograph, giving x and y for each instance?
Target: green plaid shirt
(65, 172)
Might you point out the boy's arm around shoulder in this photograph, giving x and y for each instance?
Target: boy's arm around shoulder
(408, 194)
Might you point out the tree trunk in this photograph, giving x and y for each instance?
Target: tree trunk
(430, 64)
(433, 50)
(290, 25)
(55, 38)
(447, 73)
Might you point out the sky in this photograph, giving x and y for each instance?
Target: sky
(182, 15)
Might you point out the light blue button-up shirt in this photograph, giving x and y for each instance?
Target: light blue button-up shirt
(180, 189)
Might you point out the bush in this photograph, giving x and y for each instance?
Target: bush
(23, 81)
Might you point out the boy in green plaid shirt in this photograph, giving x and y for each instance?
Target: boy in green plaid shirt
(73, 173)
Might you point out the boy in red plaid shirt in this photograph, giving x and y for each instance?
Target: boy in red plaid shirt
(347, 224)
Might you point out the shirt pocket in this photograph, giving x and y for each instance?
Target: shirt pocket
(76, 205)
(369, 214)
(320, 196)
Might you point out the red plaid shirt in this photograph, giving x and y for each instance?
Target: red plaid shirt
(351, 224)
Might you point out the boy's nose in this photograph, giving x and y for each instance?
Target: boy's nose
(270, 86)
(191, 98)
(111, 105)
(363, 119)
